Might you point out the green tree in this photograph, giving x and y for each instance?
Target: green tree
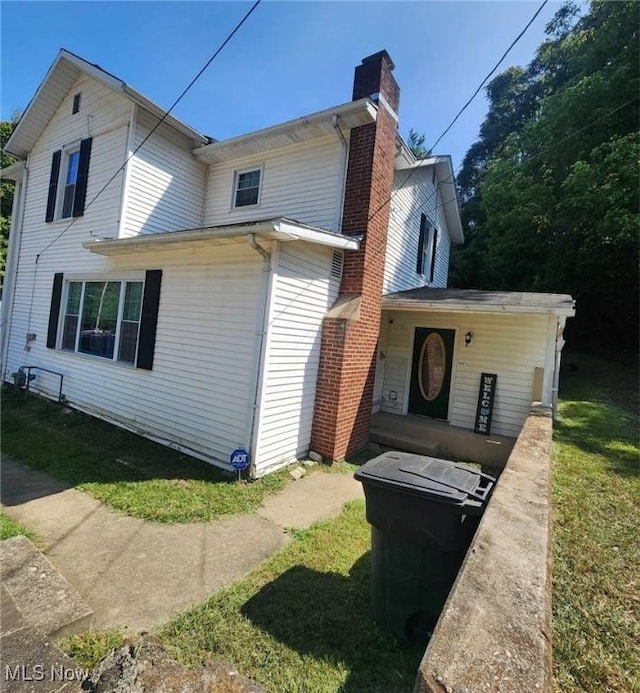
(549, 192)
(6, 191)
(416, 144)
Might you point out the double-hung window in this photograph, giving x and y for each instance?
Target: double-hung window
(68, 181)
(247, 187)
(70, 173)
(102, 318)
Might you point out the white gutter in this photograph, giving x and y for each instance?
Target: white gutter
(21, 172)
(274, 229)
(441, 307)
(253, 414)
(342, 170)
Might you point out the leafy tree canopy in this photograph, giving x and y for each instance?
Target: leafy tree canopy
(549, 192)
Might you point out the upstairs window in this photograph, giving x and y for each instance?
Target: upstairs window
(247, 188)
(72, 159)
(427, 242)
(68, 181)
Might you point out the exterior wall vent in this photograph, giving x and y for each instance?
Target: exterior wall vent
(76, 103)
(337, 261)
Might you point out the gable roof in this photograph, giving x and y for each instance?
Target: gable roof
(64, 71)
(443, 164)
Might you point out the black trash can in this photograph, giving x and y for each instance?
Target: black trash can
(423, 514)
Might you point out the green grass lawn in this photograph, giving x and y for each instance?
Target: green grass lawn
(11, 528)
(127, 472)
(300, 622)
(596, 496)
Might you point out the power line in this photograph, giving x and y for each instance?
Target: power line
(451, 179)
(461, 111)
(157, 125)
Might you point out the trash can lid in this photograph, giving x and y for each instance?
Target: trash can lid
(440, 480)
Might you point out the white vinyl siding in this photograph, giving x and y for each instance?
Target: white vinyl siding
(302, 181)
(303, 291)
(165, 188)
(511, 346)
(105, 118)
(418, 196)
(200, 392)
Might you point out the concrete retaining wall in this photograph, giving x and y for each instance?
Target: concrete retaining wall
(494, 632)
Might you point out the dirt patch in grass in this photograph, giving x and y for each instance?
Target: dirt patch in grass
(596, 496)
(127, 472)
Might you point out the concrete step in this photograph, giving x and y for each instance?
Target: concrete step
(43, 598)
(403, 441)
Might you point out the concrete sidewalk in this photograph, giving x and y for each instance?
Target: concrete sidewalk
(135, 575)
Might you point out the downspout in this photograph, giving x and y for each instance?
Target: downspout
(13, 251)
(344, 160)
(562, 321)
(259, 353)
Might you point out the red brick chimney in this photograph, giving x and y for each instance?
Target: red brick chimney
(344, 393)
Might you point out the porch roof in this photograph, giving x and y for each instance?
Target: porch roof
(479, 301)
(279, 229)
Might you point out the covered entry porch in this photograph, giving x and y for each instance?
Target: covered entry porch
(438, 348)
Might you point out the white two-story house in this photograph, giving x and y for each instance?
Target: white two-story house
(269, 292)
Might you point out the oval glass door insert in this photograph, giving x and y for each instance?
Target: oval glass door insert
(432, 366)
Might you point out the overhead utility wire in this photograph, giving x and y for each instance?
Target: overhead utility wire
(464, 108)
(451, 179)
(136, 150)
(158, 124)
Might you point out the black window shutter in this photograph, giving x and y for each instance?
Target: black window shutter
(54, 312)
(149, 319)
(421, 240)
(83, 175)
(432, 269)
(53, 185)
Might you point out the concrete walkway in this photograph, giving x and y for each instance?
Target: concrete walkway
(135, 575)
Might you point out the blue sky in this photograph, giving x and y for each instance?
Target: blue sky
(289, 59)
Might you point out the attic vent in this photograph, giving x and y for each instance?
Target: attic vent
(76, 103)
(336, 264)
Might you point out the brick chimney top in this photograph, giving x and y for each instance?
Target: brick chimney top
(374, 78)
(376, 57)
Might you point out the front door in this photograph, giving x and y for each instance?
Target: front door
(431, 372)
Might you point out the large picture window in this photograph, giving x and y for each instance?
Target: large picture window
(102, 318)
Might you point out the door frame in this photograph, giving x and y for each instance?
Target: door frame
(423, 323)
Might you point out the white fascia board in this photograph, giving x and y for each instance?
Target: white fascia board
(275, 229)
(437, 307)
(108, 80)
(305, 233)
(352, 113)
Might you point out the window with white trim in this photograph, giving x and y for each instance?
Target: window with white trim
(68, 181)
(102, 318)
(246, 189)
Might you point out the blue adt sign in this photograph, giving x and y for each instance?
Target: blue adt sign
(239, 459)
